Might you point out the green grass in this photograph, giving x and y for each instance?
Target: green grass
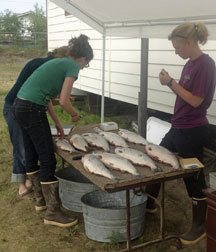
(65, 118)
(22, 52)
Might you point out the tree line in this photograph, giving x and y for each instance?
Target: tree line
(14, 30)
(11, 23)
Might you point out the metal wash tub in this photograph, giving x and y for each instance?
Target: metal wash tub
(72, 186)
(105, 215)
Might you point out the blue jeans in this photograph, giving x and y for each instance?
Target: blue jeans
(37, 138)
(19, 171)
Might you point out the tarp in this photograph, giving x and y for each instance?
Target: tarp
(141, 18)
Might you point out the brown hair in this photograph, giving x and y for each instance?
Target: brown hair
(59, 52)
(197, 32)
(79, 47)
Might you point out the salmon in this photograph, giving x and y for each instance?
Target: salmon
(96, 140)
(137, 157)
(94, 165)
(132, 137)
(163, 155)
(116, 162)
(114, 139)
(64, 145)
(79, 142)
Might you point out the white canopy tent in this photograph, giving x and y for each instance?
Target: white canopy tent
(140, 18)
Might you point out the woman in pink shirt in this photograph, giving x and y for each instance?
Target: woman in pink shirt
(189, 130)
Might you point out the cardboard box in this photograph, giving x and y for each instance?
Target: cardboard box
(212, 180)
(190, 163)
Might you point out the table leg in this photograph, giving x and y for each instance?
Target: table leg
(128, 219)
(162, 211)
(146, 244)
(63, 162)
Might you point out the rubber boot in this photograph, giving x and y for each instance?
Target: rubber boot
(197, 231)
(54, 215)
(152, 190)
(36, 186)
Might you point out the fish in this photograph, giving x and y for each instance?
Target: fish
(161, 154)
(114, 139)
(64, 145)
(137, 157)
(96, 140)
(132, 137)
(117, 162)
(94, 165)
(79, 142)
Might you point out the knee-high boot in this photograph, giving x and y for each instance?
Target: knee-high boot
(197, 231)
(54, 215)
(152, 190)
(35, 180)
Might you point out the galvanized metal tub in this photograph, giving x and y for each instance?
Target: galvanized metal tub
(72, 186)
(105, 215)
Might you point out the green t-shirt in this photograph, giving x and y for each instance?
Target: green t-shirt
(46, 82)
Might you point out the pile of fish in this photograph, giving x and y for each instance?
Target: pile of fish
(114, 139)
(137, 157)
(132, 137)
(124, 158)
(64, 145)
(79, 142)
(116, 162)
(96, 140)
(163, 155)
(94, 165)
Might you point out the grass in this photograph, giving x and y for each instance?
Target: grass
(22, 229)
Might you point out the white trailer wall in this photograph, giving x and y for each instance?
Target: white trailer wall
(122, 63)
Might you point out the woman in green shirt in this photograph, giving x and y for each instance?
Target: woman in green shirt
(19, 170)
(55, 77)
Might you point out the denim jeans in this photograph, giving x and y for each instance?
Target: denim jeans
(15, 132)
(37, 138)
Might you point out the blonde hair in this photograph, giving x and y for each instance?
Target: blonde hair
(197, 32)
(59, 52)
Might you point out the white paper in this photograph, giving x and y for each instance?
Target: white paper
(67, 129)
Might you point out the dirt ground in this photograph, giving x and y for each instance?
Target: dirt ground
(22, 229)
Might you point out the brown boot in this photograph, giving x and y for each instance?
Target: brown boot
(36, 186)
(54, 215)
(197, 231)
(152, 190)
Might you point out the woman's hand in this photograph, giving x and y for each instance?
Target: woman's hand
(164, 77)
(60, 130)
(76, 118)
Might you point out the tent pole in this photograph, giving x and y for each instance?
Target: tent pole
(103, 78)
(142, 105)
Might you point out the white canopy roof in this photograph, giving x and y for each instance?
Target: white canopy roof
(141, 18)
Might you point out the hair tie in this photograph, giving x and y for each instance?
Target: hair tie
(196, 27)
